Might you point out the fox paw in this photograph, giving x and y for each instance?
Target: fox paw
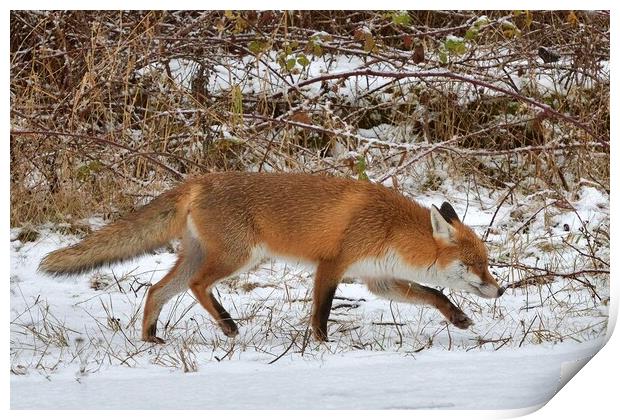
(320, 335)
(229, 328)
(154, 339)
(460, 320)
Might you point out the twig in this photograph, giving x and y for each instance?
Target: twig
(528, 330)
(451, 76)
(510, 190)
(286, 350)
(99, 140)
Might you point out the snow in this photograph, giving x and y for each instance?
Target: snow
(455, 38)
(591, 199)
(506, 379)
(75, 341)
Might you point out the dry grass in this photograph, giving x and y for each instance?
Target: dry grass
(104, 328)
(100, 120)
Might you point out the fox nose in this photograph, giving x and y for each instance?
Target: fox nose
(500, 291)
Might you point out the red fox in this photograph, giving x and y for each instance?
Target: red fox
(229, 222)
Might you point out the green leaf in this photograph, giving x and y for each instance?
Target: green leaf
(473, 31)
(455, 45)
(360, 167)
(313, 47)
(303, 60)
(443, 57)
(290, 64)
(401, 18)
(471, 34)
(480, 22)
(280, 59)
(257, 46)
(509, 29)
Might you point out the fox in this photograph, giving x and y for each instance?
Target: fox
(229, 222)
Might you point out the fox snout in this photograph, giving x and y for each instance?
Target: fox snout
(491, 280)
(490, 288)
(498, 292)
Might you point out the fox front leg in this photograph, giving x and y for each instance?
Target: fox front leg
(409, 292)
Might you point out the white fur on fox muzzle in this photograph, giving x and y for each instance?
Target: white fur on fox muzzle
(456, 276)
(481, 288)
(486, 290)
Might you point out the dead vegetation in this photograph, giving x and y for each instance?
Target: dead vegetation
(109, 107)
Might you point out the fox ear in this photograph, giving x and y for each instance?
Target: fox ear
(448, 213)
(442, 229)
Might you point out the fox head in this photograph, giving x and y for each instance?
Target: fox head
(463, 254)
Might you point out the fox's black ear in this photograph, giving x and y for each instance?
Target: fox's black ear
(442, 229)
(448, 213)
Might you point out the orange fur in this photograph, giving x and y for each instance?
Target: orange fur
(228, 221)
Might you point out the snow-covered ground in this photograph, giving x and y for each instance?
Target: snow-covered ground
(436, 379)
(75, 341)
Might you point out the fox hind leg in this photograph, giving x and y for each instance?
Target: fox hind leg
(173, 283)
(217, 266)
(155, 300)
(217, 311)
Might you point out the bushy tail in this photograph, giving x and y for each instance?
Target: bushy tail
(144, 230)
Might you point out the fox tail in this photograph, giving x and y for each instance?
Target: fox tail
(144, 230)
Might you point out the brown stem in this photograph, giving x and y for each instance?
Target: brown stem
(452, 76)
(99, 140)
